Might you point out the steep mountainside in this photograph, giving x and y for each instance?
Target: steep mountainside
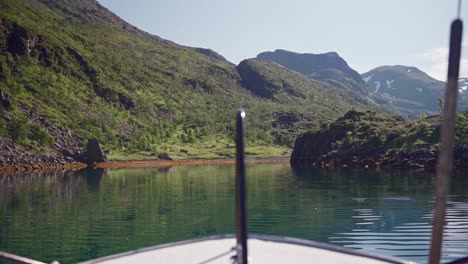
(72, 70)
(328, 67)
(272, 81)
(409, 88)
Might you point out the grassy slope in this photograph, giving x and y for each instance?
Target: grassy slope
(98, 76)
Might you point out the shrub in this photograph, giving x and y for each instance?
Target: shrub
(3, 131)
(37, 133)
(17, 129)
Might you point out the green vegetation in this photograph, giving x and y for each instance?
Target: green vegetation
(209, 149)
(361, 134)
(441, 105)
(38, 134)
(21, 132)
(17, 129)
(84, 69)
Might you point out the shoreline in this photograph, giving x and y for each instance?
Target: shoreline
(352, 162)
(379, 162)
(183, 162)
(52, 167)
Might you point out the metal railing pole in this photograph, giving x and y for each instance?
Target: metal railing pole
(447, 140)
(241, 199)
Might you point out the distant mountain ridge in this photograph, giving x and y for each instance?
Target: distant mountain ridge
(327, 67)
(403, 90)
(409, 88)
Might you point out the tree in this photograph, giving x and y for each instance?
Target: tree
(441, 105)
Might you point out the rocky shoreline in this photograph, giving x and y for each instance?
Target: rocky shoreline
(419, 159)
(66, 147)
(52, 167)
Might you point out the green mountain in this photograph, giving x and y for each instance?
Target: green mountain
(73, 70)
(406, 87)
(327, 67)
(410, 89)
(270, 80)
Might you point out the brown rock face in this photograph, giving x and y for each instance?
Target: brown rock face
(19, 41)
(94, 152)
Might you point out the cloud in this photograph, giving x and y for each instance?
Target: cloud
(435, 61)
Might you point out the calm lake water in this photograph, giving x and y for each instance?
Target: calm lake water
(76, 216)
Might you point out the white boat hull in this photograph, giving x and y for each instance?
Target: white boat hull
(261, 249)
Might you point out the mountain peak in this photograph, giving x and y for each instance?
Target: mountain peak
(406, 87)
(398, 68)
(328, 67)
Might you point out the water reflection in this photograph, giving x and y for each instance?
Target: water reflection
(75, 216)
(93, 177)
(411, 239)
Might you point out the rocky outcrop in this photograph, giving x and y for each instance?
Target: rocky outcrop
(211, 54)
(164, 156)
(312, 145)
(94, 152)
(309, 147)
(367, 140)
(5, 99)
(422, 158)
(18, 41)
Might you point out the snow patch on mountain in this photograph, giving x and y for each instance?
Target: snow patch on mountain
(367, 79)
(463, 86)
(389, 83)
(377, 86)
(419, 90)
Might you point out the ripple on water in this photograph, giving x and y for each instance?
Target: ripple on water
(411, 240)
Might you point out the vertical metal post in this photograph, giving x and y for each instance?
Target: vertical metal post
(445, 160)
(241, 200)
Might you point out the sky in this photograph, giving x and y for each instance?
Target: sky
(366, 33)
